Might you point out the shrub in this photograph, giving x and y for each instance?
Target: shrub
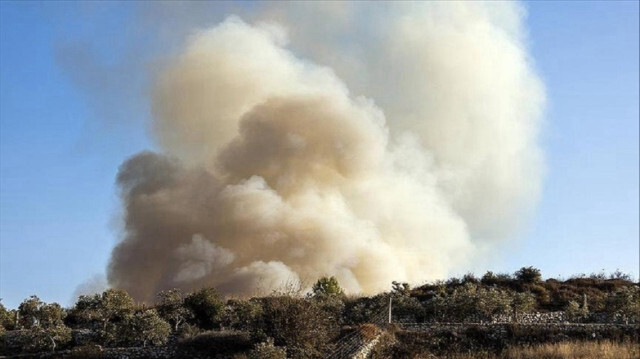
(145, 327)
(206, 306)
(266, 350)
(226, 342)
(299, 324)
(241, 314)
(528, 275)
(50, 338)
(172, 309)
(327, 286)
(362, 309)
(575, 312)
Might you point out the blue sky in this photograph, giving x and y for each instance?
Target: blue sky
(61, 143)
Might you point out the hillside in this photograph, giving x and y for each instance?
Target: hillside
(489, 314)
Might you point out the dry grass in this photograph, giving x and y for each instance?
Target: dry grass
(564, 350)
(577, 350)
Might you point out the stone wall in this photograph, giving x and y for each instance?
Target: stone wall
(532, 318)
(365, 350)
(410, 340)
(536, 318)
(526, 333)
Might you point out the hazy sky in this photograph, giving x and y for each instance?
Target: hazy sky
(61, 142)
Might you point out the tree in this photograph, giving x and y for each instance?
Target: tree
(114, 304)
(33, 312)
(624, 302)
(51, 315)
(171, 307)
(528, 275)
(491, 301)
(403, 289)
(469, 302)
(469, 278)
(104, 312)
(29, 312)
(44, 322)
(488, 278)
(206, 306)
(50, 338)
(86, 310)
(145, 327)
(241, 314)
(266, 350)
(7, 318)
(522, 303)
(575, 312)
(364, 309)
(299, 324)
(326, 286)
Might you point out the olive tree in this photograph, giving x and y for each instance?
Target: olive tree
(144, 327)
(104, 313)
(528, 275)
(299, 324)
(7, 318)
(44, 324)
(206, 306)
(522, 302)
(49, 338)
(171, 307)
(625, 302)
(241, 314)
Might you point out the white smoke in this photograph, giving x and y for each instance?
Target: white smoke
(273, 170)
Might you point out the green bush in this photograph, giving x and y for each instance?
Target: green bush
(206, 306)
(266, 350)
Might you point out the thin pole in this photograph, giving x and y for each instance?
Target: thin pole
(390, 298)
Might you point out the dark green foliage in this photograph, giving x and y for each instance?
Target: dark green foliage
(447, 341)
(361, 309)
(550, 295)
(467, 302)
(470, 278)
(333, 307)
(327, 286)
(299, 324)
(105, 313)
(309, 327)
(142, 328)
(408, 309)
(266, 350)
(43, 325)
(499, 280)
(47, 339)
(625, 303)
(241, 314)
(7, 318)
(171, 308)
(528, 275)
(112, 306)
(29, 312)
(400, 288)
(217, 342)
(206, 306)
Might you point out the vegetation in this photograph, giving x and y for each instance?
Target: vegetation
(564, 350)
(206, 307)
(327, 286)
(312, 325)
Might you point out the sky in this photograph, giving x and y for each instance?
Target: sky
(61, 142)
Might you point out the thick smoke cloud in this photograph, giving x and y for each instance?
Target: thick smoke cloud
(273, 172)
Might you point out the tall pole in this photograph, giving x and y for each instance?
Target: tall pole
(390, 298)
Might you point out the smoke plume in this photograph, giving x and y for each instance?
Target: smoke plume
(369, 142)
